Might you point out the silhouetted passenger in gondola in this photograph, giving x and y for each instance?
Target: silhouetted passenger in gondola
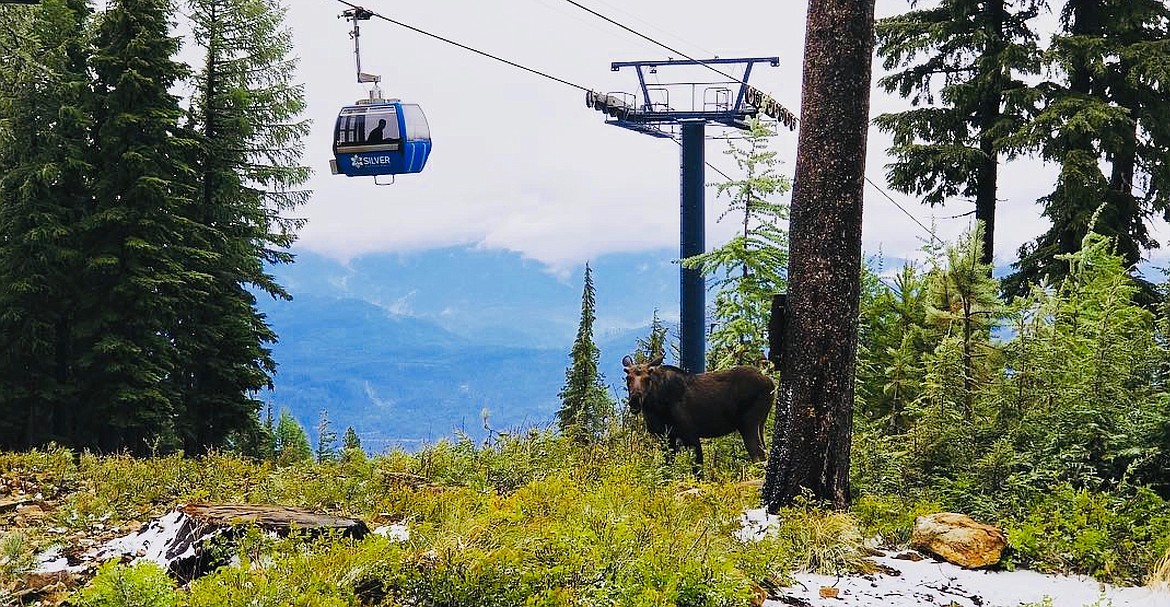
(377, 135)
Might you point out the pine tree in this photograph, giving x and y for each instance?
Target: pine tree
(268, 447)
(892, 345)
(245, 111)
(43, 194)
(258, 441)
(963, 62)
(292, 443)
(963, 303)
(138, 234)
(585, 405)
(326, 438)
(654, 345)
(350, 440)
(1085, 363)
(1110, 109)
(748, 269)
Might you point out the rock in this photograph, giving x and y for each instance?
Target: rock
(759, 595)
(829, 592)
(30, 511)
(958, 539)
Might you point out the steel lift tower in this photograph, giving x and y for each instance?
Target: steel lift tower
(725, 103)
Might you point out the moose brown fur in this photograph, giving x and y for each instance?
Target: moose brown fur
(685, 407)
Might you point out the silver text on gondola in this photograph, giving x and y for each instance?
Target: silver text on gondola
(363, 161)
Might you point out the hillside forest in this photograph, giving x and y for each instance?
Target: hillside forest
(138, 227)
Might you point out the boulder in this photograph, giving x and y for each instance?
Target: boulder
(958, 539)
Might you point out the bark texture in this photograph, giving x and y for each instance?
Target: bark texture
(810, 444)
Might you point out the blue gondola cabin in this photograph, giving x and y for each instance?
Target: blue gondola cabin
(380, 137)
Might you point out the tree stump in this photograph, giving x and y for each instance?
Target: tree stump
(180, 541)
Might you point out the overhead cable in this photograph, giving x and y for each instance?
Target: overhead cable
(588, 90)
(468, 48)
(653, 41)
(496, 58)
(737, 80)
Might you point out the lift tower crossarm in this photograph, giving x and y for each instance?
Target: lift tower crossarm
(716, 107)
(617, 65)
(757, 102)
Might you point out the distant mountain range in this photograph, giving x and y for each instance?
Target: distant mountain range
(411, 349)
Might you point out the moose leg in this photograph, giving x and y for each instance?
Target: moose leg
(672, 444)
(753, 440)
(696, 445)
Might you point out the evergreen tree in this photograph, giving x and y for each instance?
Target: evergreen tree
(268, 451)
(138, 235)
(1108, 110)
(292, 443)
(962, 61)
(43, 194)
(350, 440)
(1083, 381)
(245, 112)
(326, 438)
(258, 440)
(963, 305)
(748, 269)
(585, 403)
(892, 345)
(654, 344)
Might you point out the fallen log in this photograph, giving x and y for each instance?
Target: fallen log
(181, 541)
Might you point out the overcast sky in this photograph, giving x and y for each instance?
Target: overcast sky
(520, 163)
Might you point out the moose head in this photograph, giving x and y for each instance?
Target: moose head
(638, 380)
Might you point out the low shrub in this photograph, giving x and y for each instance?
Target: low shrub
(889, 519)
(16, 555)
(820, 541)
(1115, 537)
(142, 585)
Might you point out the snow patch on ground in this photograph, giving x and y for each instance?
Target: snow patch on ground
(929, 582)
(904, 583)
(151, 543)
(754, 525)
(397, 532)
(161, 541)
(170, 541)
(53, 561)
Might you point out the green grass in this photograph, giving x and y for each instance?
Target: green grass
(531, 519)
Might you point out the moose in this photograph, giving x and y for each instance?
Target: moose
(685, 407)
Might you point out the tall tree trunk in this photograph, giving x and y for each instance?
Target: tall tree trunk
(990, 114)
(810, 444)
(1122, 155)
(985, 201)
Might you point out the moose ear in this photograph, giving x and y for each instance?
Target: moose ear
(627, 361)
(656, 362)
